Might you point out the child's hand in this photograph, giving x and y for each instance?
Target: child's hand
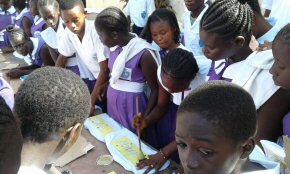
(14, 73)
(155, 161)
(139, 122)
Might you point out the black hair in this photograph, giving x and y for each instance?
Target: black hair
(44, 3)
(180, 64)
(163, 14)
(229, 19)
(20, 4)
(16, 33)
(255, 6)
(10, 138)
(226, 106)
(50, 101)
(283, 35)
(112, 19)
(69, 4)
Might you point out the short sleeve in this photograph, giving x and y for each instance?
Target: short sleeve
(150, 7)
(66, 46)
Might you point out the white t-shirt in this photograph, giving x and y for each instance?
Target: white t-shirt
(192, 39)
(140, 10)
(91, 51)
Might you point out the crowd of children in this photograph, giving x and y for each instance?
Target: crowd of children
(207, 91)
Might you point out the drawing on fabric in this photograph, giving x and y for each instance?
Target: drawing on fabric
(128, 149)
(101, 125)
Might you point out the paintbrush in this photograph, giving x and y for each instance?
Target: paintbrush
(140, 154)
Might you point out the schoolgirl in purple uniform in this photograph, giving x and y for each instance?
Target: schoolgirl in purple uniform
(35, 48)
(132, 63)
(38, 23)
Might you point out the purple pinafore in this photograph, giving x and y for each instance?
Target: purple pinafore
(6, 18)
(6, 93)
(286, 125)
(37, 27)
(121, 104)
(36, 59)
(213, 75)
(20, 18)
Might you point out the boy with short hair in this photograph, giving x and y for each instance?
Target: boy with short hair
(80, 37)
(216, 125)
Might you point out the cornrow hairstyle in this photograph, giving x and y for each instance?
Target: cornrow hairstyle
(50, 101)
(16, 33)
(69, 4)
(163, 15)
(112, 19)
(226, 106)
(229, 19)
(45, 3)
(180, 64)
(255, 6)
(283, 35)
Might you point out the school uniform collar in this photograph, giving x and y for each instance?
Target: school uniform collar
(21, 13)
(35, 42)
(37, 19)
(11, 10)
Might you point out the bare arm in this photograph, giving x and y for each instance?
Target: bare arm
(149, 69)
(99, 89)
(46, 57)
(27, 24)
(270, 115)
(61, 61)
(53, 54)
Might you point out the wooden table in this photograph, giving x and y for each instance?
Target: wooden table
(87, 164)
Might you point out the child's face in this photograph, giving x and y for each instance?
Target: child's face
(4, 4)
(20, 45)
(163, 34)
(50, 16)
(215, 48)
(33, 7)
(174, 85)
(106, 38)
(193, 5)
(281, 67)
(203, 148)
(74, 19)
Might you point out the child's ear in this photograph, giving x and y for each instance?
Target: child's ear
(114, 35)
(247, 148)
(239, 41)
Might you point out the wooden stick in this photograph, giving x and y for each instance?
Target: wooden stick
(138, 129)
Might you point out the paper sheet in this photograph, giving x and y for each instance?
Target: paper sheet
(80, 148)
(101, 125)
(123, 146)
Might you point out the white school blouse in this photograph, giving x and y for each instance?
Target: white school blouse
(140, 10)
(269, 36)
(90, 50)
(192, 39)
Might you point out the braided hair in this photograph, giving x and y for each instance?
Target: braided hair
(255, 6)
(163, 14)
(283, 35)
(69, 4)
(180, 64)
(112, 19)
(45, 3)
(229, 19)
(16, 33)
